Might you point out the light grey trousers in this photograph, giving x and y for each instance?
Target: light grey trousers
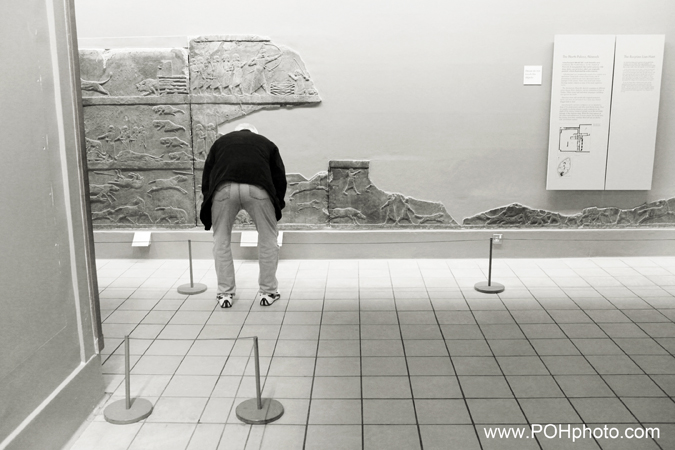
(229, 199)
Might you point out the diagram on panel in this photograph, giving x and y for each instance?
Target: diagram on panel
(575, 139)
(564, 166)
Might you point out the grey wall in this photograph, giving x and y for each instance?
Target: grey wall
(430, 92)
(47, 345)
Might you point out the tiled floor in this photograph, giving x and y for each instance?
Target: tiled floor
(394, 354)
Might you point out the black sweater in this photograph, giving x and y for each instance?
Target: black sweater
(243, 157)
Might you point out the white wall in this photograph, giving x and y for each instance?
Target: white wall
(50, 373)
(430, 91)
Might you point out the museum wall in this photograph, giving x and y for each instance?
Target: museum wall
(50, 375)
(430, 94)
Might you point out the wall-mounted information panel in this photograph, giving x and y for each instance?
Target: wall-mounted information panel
(605, 90)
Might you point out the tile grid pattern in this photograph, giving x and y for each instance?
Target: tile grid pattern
(595, 336)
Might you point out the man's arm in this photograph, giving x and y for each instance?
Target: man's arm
(208, 165)
(278, 176)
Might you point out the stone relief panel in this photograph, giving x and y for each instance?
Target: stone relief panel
(206, 118)
(355, 201)
(248, 69)
(127, 76)
(142, 198)
(654, 214)
(306, 200)
(138, 137)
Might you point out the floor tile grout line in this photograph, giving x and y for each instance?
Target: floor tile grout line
(316, 360)
(452, 363)
(358, 294)
(555, 380)
(407, 366)
(527, 419)
(269, 367)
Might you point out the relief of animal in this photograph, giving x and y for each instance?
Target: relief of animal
(102, 193)
(347, 213)
(173, 141)
(316, 204)
(149, 86)
(95, 86)
(179, 156)
(135, 210)
(167, 125)
(180, 215)
(168, 183)
(313, 184)
(167, 110)
(130, 155)
(105, 214)
(437, 217)
(133, 181)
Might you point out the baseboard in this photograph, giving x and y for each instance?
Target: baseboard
(402, 244)
(53, 424)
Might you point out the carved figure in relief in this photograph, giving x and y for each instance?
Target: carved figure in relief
(130, 155)
(124, 137)
(351, 181)
(347, 213)
(167, 110)
(179, 156)
(109, 136)
(211, 134)
(397, 209)
(149, 86)
(102, 193)
(173, 141)
(438, 217)
(313, 184)
(95, 86)
(199, 136)
(258, 79)
(300, 79)
(167, 125)
(135, 210)
(168, 183)
(133, 181)
(179, 215)
(316, 204)
(95, 151)
(105, 214)
(197, 79)
(237, 74)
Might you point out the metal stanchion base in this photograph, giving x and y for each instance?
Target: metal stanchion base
(248, 411)
(196, 288)
(118, 413)
(493, 288)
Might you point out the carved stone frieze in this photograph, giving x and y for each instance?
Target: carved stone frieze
(657, 213)
(129, 76)
(249, 70)
(206, 119)
(354, 200)
(142, 198)
(306, 200)
(139, 136)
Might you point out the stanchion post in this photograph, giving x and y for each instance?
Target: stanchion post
(489, 288)
(125, 411)
(192, 288)
(259, 411)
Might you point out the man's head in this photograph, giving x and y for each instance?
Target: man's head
(246, 126)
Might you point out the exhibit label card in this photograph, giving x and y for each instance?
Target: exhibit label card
(635, 108)
(580, 112)
(532, 75)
